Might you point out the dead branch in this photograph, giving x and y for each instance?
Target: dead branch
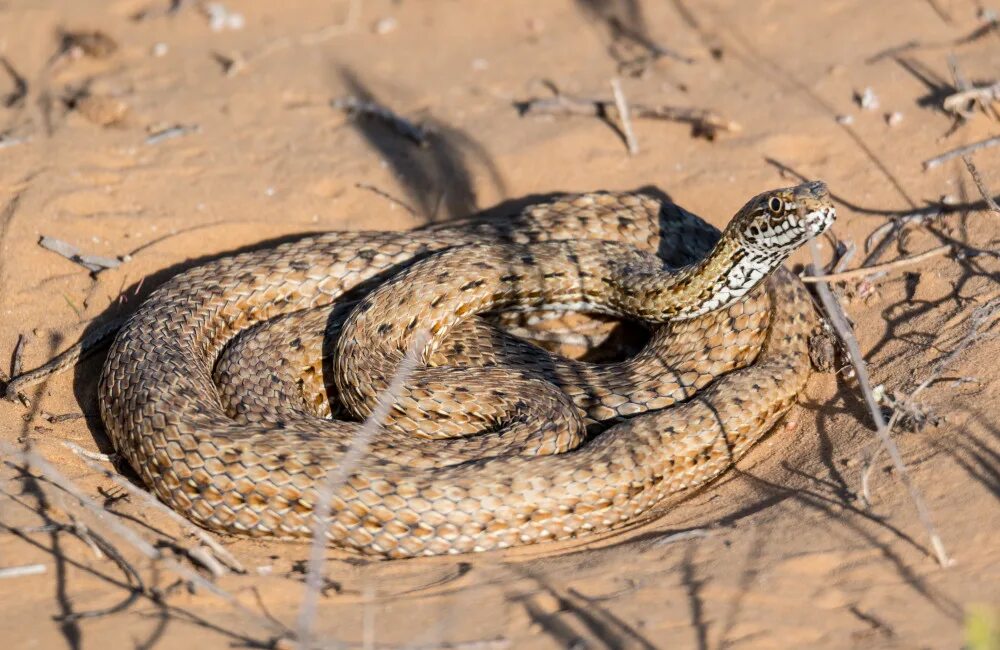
(703, 121)
(877, 268)
(149, 501)
(980, 185)
(337, 476)
(839, 321)
(621, 105)
(961, 151)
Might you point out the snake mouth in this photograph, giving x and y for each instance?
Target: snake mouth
(817, 221)
(816, 212)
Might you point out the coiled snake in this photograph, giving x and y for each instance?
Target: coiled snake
(486, 445)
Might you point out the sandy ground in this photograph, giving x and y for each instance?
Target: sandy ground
(780, 553)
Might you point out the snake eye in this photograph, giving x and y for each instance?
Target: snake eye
(774, 204)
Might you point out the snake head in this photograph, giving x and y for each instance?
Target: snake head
(779, 221)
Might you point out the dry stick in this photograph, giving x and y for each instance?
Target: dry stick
(980, 316)
(16, 363)
(622, 105)
(703, 120)
(839, 321)
(23, 570)
(125, 533)
(385, 195)
(877, 268)
(150, 501)
(980, 185)
(238, 62)
(337, 476)
(956, 102)
(961, 151)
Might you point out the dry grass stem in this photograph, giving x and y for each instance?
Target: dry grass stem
(149, 501)
(237, 62)
(54, 476)
(388, 197)
(980, 185)
(23, 570)
(703, 121)
(877, 268)
(959, 102)
(936, 161)
(621, 104)
(336, 477)
(839, 321)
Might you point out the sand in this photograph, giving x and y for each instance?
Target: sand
(184, 143)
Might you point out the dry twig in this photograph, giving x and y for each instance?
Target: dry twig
(54, 476)
(961, 151)
(980, 185)
(960, 102)
(981, 317)
(877, 268)
(703, 122)
(839, 321)
(337, 476)
(151, 502)
(93, 263)
(621, 105)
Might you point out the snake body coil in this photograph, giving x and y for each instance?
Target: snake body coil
(486, 443)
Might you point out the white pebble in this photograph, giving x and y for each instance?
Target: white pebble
(894, 118)
(846, 120)
(385, 25)
(160, 49)
(220, 18)
(480, 64)
(867, 100)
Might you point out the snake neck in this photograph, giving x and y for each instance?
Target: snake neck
(728, 273)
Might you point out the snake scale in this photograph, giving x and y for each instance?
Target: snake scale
(490, 441)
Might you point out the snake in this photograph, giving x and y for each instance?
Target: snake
(481, 439)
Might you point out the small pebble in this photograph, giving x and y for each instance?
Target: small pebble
(220, 18)
(385, 26)
(867, 100)
(894, 118)
(160, 49)
(102, 109)
(846, 120)
(480, 64)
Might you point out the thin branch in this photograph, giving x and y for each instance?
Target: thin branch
(980, 185)
(149, 501)
(703, 121)
(839, 321)
(877, 268)
(51, 474)
(961, 151)
(958, 103)
(385, 195)
(22, 570)
(335, 477)
(622, 105)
